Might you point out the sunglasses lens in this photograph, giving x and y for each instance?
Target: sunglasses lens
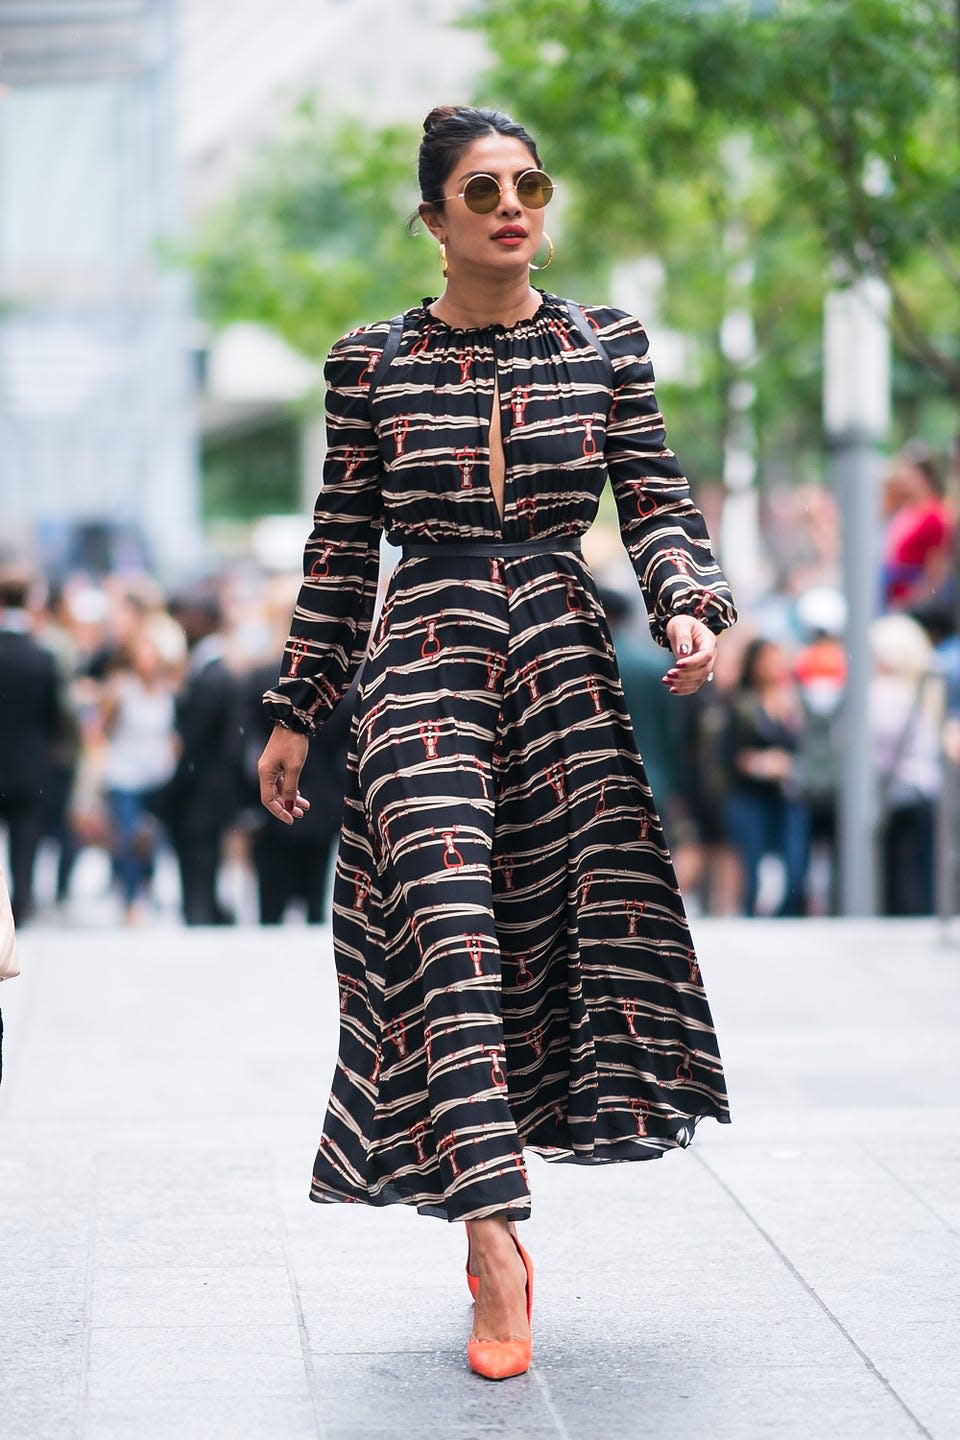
(481, 194)
(534, 189)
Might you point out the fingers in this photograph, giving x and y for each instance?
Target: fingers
(279, 773)
(695, 649)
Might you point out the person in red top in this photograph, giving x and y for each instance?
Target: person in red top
(919, 530)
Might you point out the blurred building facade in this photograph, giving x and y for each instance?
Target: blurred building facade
(120, 121)
(97, 448)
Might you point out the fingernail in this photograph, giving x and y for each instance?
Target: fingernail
(684, 649)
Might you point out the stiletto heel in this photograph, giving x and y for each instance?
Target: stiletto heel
(501, 1359)
(473, 1281)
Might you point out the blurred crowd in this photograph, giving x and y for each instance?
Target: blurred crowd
(131, 725)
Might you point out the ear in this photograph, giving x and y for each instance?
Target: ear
(432, 218)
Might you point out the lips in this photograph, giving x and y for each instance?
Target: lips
(509, 232)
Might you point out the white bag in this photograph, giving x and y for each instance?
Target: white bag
(9, 965)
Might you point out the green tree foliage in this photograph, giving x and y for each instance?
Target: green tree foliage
(852, 113)
(312, 241)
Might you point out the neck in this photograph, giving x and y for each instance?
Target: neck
(469, 301)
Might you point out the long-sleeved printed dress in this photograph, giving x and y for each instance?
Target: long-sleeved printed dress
(515, 967)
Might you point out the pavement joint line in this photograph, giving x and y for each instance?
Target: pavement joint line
(785, 1260)
(305, 1350)
(88, 1280)
(951, 1229)
(541, 1380)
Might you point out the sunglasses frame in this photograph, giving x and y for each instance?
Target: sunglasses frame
(483, 175)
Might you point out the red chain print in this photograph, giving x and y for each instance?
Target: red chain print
(475, 951)
(634, 909)
(396, 1033)
(527, 506)
(497, 1073)
(401, 429)
(505, 866)
(429, 733)
(431, 646)
(641, 1110)
(418, 1134)
(361, 889)
(452, 859)
(528, 677)
(555, 781)
(558, 329)
(466, 459)
(320, 568)
(447, 1150)
(298, 652)
(496, 664)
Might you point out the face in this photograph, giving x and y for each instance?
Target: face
(505, 240)
(771, 667)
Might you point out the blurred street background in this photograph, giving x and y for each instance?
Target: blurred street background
(197, 197)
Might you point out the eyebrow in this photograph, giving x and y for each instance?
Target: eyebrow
(469, 174)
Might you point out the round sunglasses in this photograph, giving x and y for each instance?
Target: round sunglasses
(482, 193)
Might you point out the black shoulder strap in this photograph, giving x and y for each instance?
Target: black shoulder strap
(395, 333)
(592, 338)
(391, 346)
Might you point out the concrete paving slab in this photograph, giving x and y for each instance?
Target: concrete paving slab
(793, 1274)
(358, 1392)
(181, 1415)
(183, 1297)
(635, 1395)
(252, 1360)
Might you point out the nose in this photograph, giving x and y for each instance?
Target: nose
(509, 200)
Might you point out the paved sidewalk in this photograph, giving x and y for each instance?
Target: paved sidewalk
(794, 1275)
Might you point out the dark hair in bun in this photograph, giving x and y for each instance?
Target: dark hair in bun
(448, 130)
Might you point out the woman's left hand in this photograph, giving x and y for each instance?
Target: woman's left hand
(695, 651)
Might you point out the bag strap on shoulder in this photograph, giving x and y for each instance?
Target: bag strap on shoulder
(579, 320)
(592, 338)
(390, 348)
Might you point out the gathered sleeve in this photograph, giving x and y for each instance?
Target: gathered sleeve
(341, 561)
(662, 529)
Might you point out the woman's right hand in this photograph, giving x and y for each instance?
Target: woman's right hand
(279, 770)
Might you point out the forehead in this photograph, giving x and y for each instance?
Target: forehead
(495, 154)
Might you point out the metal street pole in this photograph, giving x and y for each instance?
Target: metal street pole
(856, 403)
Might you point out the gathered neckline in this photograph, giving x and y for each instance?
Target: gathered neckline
(548, 306)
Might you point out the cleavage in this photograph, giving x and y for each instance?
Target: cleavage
(497, 463)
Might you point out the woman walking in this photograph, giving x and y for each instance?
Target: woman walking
(514, 962)
(766, 812)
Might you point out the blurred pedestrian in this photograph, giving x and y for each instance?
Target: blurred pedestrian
(54, 632)
(31, 726)
(707, 861)
(765, 812)
(202, 798)
(905, 729)
(918, 538)
(820, 668)
(293, 863)
(138, 723)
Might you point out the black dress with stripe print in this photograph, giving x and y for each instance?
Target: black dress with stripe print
(515, 966)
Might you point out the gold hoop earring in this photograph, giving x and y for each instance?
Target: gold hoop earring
(550, 253)
(443, 259)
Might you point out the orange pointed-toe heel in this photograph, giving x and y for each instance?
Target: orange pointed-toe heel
(501, 1359)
